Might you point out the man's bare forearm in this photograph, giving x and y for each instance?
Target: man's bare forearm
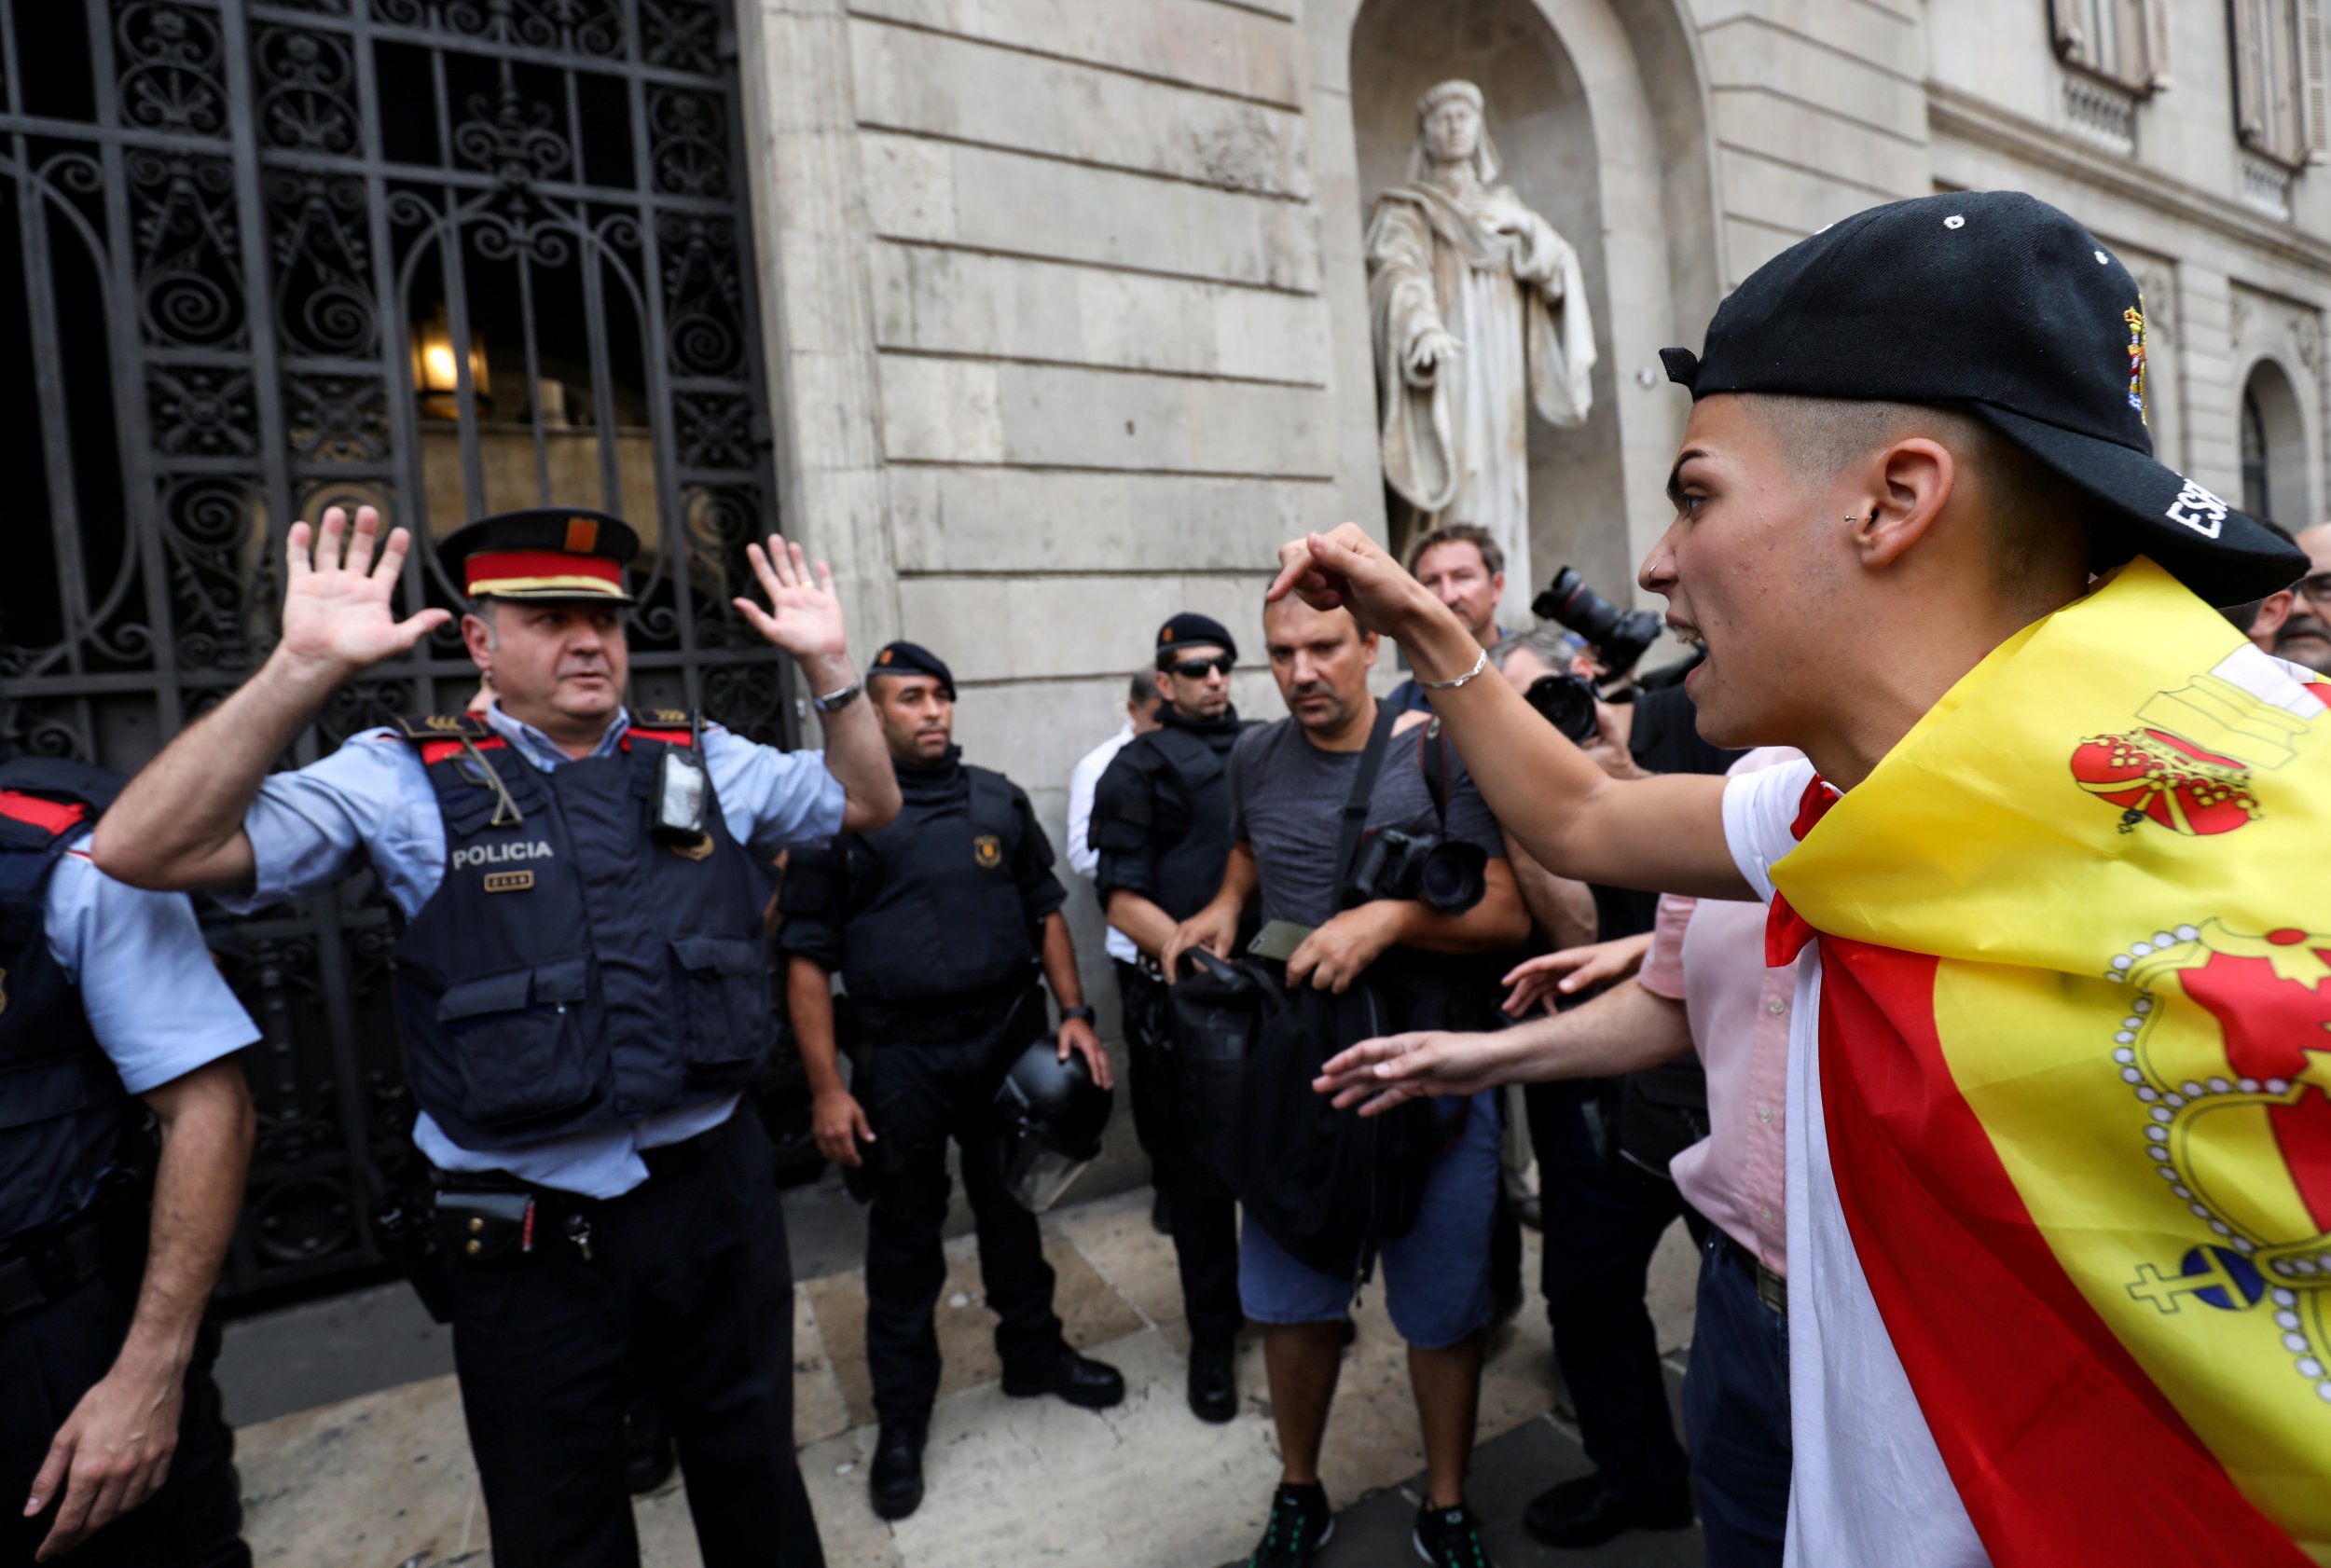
(1060, 962)
(809, 999)
(207, 1126)
(177, 826)
(1562, 907)
(1241, 879)
(1624, 1030)
(1146, 926)
(854, 751)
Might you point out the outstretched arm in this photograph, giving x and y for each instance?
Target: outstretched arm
(1624, 1030)
(805, 619)
(1662, 835)
(178, 825)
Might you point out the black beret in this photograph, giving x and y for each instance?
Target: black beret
(1190, 629)
(1997, 302)
(912, 658)
(542, 553)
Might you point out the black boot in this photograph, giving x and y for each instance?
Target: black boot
(1579, 1513)
(1080, 1380)
(1213, 1380)
(647, 1447)
(897, 1480)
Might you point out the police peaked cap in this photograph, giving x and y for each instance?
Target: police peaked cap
(1191, 630)
(1998, 303)
(912, 658)
(544, 553)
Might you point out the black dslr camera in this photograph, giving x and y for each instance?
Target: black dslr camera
(1446, 878)
(1567, 703)
(1618, 636)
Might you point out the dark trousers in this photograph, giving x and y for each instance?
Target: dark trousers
(49, 1357)
(918, 1097)
(688, 1280)
(1604, 1218)
(1203, 1217)
(1736, 1411)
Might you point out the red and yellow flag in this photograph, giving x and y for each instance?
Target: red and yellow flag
(2076, 1051)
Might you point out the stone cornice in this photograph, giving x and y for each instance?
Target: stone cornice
(1950, 112)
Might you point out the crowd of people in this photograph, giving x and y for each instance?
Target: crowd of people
(1894, 940)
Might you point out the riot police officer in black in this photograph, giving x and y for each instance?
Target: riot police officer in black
(938, 926)
(1161, 823)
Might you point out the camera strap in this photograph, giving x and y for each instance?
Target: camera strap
(1363, 788)
(1433, 746)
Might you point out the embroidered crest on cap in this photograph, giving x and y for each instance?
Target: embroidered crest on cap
(2134, 316)
(582, 536)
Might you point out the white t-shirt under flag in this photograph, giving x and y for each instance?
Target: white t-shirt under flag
(1869, 1486)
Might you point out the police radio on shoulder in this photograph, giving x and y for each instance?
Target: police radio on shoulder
(682, 789)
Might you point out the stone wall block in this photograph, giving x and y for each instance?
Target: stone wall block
(1024, 205)
(935, 85)
(1002, 519)
(1053, 416)
(1810, 139)
(945, 301)
(1771, 64)
(1200, 42)
(941, 410)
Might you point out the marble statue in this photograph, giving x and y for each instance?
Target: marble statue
(1478, 314)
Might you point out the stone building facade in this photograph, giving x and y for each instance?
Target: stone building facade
(1067, 319)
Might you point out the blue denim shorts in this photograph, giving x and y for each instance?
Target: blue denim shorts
(1436, 1278)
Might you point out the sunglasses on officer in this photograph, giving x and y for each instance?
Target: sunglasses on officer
(2315, 587)
(1194, 669)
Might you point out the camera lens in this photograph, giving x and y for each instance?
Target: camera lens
(1567, 703)
(1620, 637)
(1455, 878)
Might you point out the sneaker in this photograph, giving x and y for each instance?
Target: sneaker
(1450, 1538)
(1300, 1525)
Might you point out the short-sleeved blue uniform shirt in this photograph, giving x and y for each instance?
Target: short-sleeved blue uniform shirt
(372, 799)
(156, 1003)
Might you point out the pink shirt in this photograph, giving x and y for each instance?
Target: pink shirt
(1709, 955)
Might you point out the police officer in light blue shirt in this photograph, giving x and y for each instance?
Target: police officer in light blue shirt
(112, 1445)
(582, 991)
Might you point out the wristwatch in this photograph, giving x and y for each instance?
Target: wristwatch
(1078, 1015)
(843, 698)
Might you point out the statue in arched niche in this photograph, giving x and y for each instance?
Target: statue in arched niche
(1478, 314)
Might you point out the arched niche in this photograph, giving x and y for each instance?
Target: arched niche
(2277, 474)
(1598, 113)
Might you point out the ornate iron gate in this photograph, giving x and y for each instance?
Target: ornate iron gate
(443, 255)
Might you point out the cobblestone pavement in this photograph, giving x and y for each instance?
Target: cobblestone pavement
(383, 1480)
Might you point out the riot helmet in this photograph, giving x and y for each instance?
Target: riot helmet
(1052, 1115)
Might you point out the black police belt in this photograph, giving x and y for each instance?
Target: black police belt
(51, 1262)
(483, 1215)
(944, 1019)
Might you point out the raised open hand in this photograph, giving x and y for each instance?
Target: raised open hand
(336, 612)
(805, 614)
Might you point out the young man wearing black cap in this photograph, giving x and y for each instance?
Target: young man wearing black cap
(581, 989)
(940, 925)
(2034, 879)
(1161, 824)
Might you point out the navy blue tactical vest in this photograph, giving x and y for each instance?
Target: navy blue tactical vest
(51, 1067)
(930, 904)
(573, 971)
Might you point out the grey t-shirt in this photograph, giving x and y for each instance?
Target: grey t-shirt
(1287, 803)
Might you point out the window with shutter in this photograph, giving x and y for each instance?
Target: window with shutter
(2280, 109)
(2123, 41)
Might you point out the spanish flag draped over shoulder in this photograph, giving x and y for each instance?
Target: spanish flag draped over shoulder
(2075, 1067)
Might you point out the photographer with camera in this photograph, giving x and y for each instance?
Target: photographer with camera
(1367, 850)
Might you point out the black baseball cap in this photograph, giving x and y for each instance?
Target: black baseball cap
(912, 658)
(1190, 629)
(1998, 303)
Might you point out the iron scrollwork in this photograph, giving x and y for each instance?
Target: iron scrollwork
(221, 377)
